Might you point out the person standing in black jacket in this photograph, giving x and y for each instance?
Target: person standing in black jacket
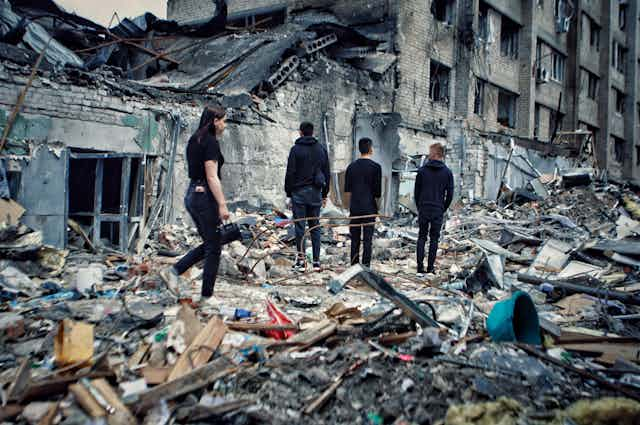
(204, 200)
(363, 180)
(307, 184)
(433, 194)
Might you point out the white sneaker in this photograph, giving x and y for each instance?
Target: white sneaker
(172, 280)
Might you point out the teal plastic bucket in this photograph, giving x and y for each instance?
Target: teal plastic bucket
(515, 320)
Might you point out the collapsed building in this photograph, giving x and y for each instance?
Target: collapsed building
(100, 133)
(533, 315)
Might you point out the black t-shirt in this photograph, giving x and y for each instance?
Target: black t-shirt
(203, 146)
(364, 181)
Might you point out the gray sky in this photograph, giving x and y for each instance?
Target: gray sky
(101, 11)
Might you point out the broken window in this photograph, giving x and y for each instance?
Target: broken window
(555, 122)
(557, 66)
(442, 10)
(622, 15)
(483, 22)
(536, 122)
(509, 38)
(478, 101)
(620, 99)
(507, 108)
(439, 83)
(593, 29)
(618, 148)
(592, 85)
(618, 56)
(106, 196)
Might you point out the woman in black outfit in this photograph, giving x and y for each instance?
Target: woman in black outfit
(204, 200)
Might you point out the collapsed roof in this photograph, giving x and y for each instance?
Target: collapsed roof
(214, 57)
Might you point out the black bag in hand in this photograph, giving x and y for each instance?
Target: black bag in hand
(229, 233)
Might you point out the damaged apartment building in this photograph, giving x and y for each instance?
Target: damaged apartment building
(95, 121)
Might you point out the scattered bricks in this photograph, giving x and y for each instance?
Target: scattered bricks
(11, 326)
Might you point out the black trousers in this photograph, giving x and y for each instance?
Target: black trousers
(364, 234)
(203, 208)
(430, 226)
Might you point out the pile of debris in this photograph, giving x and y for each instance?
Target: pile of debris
(536, 306)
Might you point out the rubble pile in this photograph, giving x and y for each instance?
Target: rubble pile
(535, 307)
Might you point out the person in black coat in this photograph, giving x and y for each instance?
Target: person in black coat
(363, 180)
(307, 185)
(204, 200)
(433, 193)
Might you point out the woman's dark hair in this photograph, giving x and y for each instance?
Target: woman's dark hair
(206, 120)
(209, 114)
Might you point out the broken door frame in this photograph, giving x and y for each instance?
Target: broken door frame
(122, 218)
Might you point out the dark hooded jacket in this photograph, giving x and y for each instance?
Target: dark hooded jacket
(308, 161)
(434, 187)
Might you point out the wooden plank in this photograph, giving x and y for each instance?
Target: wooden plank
(138, 356)
(192, 381)
(44, 390)
(51, 414)
(201, 349)
(10, 411)
(10, 211)
(20, 382)
(86, 401)
(610, 352)
(76, 227)
(122, 414)
(312, 336)
(259, 327)
(155, 375)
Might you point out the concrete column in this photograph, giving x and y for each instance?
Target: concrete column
(573, 69)
(467, 24)
(630, 170)
(604, 92)
(526, 55)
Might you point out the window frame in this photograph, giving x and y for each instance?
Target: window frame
(436, 83)
(509, 38)
(512, 121)
(619, 101)
(479, 97)
(593, 84)
(558, 66)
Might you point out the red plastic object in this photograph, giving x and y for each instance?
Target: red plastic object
(278, 318)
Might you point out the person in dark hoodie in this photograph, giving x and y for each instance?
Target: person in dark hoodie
(307, 184)
(433, 193)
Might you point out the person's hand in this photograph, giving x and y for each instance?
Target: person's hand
(324, 202)
(223, 211)
(289, 204)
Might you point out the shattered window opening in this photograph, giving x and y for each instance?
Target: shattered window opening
(509, 37)
(618, 57)
(507, 108)
(536, 121)
(557, 66)
(622, 15)
(620, 100)
(619, 149)
(483, 22)
(478, 102)
(97, 197)
(442, 10)
(439, 82)
(594, 31)
(592, 84)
